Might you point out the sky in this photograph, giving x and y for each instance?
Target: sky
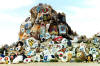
(83, 16)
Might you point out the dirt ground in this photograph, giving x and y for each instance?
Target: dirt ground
(53, 64)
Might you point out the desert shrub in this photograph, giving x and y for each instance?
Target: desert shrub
(41, 56)
(35, 61)
(53, 60)
(78, 60)
(97, 56)
(20, 61)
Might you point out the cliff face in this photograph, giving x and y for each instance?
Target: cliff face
(45, 23)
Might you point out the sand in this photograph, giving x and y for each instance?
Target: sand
(53, 64)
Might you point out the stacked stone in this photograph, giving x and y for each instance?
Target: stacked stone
(45, 23)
